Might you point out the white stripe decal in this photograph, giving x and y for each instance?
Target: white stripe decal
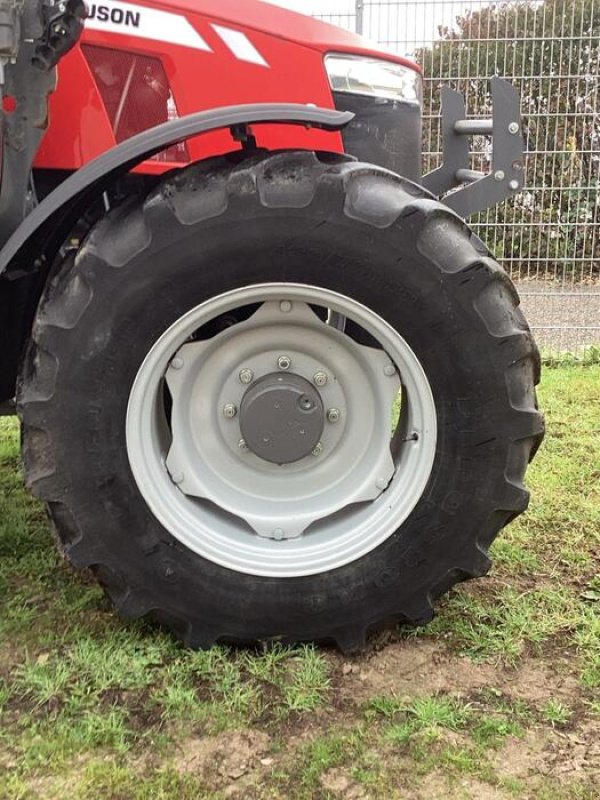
(148, 23)
(240, 45)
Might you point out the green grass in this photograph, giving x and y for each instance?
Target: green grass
(427, 716)
(556, 713)
(91, 706)
(553, 549)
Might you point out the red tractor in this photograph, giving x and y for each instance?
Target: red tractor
(270, 386)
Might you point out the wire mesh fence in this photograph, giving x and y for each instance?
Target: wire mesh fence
(548, 237)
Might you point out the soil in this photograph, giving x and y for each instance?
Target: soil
(240, 764)
(410, 669)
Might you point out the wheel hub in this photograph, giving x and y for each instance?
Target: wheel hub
(282, 418)
(303, 512)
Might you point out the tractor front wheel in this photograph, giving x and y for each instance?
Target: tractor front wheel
(290, 397)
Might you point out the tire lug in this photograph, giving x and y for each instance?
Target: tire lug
(320, 378)
(230, 410)
(284, 362)
(318, 449)
(333, 415)
(246, 375)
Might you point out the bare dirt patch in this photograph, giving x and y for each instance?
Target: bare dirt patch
(418, 668)
(439, 787)
(225, 759)
(338, 784)
(561, 756)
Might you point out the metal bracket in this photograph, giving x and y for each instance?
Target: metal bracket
(507, 175)
(63, 25)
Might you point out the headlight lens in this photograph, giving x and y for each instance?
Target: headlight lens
(374, 78)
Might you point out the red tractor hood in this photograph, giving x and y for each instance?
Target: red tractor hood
(281, 23)
(143, 62)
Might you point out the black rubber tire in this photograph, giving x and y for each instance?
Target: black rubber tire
(307, 218)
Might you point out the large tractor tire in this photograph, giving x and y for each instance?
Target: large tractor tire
(290, 397)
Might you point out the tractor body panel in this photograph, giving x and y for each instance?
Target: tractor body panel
(139, 65)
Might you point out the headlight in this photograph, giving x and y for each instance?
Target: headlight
(374, 78)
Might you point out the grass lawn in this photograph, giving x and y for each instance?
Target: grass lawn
(498, 698)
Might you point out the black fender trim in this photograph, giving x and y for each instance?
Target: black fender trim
(41, 234)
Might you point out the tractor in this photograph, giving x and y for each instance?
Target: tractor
(271, 385)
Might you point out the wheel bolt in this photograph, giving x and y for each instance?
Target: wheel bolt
(318, 449)
(333, 415)
(177, 363)
(279, 534)
(284, 362)
(320, 378)
(177, 477)
(513, 128)
(389, 370)
(229, 410)
(243, 446)
(246, 375)
(285, 306)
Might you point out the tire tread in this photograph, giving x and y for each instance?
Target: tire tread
(205, 191)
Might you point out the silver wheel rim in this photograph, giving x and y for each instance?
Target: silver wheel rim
(232, 507)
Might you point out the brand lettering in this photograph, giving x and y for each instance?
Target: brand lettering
(117, 16)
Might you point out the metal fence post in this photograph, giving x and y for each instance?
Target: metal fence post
(360, 7)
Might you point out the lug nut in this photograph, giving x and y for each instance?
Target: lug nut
(318, 449)
(389, 370)
(285, 306)
(499, 175)
(333, 415)
(177, 477)
(229, 410)
(514, 185)
(279, 534)
(284, 362)
(320, 378)
(246, 375)
(513, 128)
(177, 363)
(243, 446)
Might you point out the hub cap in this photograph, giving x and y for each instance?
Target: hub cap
(282, 418)
(266, 447)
